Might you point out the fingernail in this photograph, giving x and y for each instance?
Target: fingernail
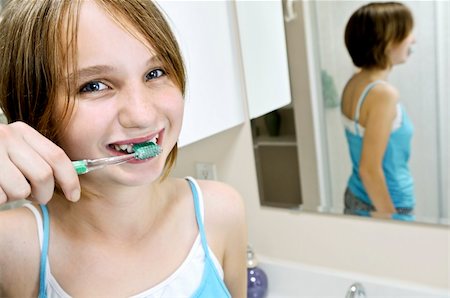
(75, 195)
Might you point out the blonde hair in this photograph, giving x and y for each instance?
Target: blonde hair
(38, 47)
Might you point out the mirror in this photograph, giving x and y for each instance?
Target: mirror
(422, 82)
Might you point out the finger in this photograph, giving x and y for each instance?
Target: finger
(13, 183)
(3, 197)
(36, 170)
(41, 162)
(62, 170)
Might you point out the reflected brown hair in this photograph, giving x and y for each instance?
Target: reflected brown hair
(373, 28)
(38, 45)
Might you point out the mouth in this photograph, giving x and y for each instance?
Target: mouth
(127, 148)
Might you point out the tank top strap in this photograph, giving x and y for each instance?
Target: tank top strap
(39, 224)
(44, 253)
(199, 212)
(43, 227)
(361, 100)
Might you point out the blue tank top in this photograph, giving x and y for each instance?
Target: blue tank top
(211, 285)
(395, 160)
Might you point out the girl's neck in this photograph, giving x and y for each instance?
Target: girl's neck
(375, 73)
(122, 216)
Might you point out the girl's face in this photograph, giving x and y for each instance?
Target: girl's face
(123, 96)
(400, 52)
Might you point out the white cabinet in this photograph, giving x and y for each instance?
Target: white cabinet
(264, 54)
(207, 34)
(263, 45)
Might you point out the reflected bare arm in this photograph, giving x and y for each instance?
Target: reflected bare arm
(381, 111)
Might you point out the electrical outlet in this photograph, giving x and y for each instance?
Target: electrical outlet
(206, 170)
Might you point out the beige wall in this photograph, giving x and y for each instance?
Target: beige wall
(410, 252)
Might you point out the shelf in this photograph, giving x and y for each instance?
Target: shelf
(275, 141)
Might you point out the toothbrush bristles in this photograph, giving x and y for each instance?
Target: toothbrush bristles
(146, 150)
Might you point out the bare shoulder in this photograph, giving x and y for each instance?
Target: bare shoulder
(224, 211)
(225, 218)
(384, 94)
(380, 104)
(19, 250)
(221, 199)
(15, 224)
(223, 205)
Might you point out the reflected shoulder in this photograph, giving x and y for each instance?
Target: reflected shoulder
(384, 92)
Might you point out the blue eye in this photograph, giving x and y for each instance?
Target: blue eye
(94, 86)
(154, 74)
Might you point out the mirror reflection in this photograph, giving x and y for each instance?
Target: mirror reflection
(378, 130)
(420, 84)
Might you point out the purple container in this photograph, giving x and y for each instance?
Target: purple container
(257, 283)
(256, 278)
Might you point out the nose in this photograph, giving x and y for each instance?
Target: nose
(137, 108)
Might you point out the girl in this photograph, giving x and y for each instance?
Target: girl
(88, 79)
(378, 130)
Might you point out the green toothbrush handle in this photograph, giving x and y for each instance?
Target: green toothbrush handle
(142, 151)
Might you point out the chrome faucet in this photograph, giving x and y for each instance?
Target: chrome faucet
(356, 290)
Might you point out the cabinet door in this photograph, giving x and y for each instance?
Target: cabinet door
(263, 45)
(207, 34)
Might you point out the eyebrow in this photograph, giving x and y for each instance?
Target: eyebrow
(95, 70)
(87, 72)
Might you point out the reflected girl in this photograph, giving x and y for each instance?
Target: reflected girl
(378, 36)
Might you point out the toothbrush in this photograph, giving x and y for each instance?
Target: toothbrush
(141, 151)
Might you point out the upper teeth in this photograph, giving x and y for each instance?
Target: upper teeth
(124, 147)
(129, 147)
(155, 139)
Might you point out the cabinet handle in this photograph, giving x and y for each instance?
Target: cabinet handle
(290, 11)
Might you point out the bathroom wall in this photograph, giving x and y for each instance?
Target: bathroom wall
(408, 252)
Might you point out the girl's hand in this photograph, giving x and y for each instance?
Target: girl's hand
(31, 165)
